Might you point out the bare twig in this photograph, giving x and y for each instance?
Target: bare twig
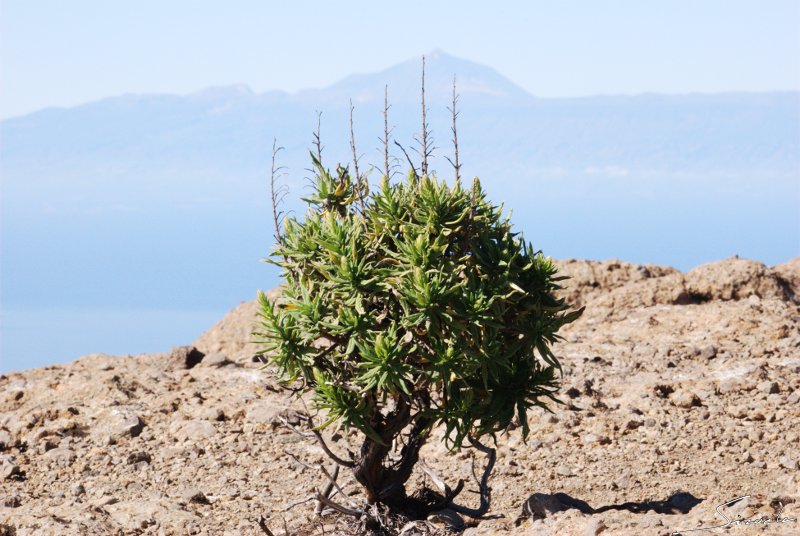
(262, 524)
(448, 493)
(386, 169)
(424, 143)
(410, 163)
(293, 504)
(320, 439)
(359, 178)
(331, 455)
(293, 428)
(454, 112)
(332, 480)
(322, 498)
(338, 507)
(485, 490)
(278, 194)
(328, 489)
(317, 139)
(299, 461)
(344, 463)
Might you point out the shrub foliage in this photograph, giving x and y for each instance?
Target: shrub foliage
(412, 307)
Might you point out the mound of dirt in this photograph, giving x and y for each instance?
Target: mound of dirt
(681, 392)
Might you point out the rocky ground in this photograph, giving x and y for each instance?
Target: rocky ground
(681, 391)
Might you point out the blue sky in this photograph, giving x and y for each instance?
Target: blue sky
(55, 53)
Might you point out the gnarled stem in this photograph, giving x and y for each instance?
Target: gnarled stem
(485, 490)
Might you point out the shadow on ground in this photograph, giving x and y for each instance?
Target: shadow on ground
(541, 505)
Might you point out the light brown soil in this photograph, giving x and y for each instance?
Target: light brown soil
(673, 383)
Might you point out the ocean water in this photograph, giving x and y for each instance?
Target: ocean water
(37, 337)
(128, 285)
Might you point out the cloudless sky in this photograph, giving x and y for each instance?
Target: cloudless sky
(63, 53)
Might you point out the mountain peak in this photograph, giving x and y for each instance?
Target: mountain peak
(473, 80)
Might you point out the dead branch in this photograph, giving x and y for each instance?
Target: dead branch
(262, 524)
(454, 112)
(344, 463)
(317, 139)
(332, 480)
(331, 455)
(277, 195)
(320, 440)
(328, 489)
(485, 490)
(424, 142)
(359, 178)
(448, 494)
(292, 427)
(293, 504)
(338, 507)
(299, 461)
(385, 140)
(322, 498)
(410, 163)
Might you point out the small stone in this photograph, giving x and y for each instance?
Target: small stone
(737, 412)
(77, 490)
(10, 470)
(262, 412)
(248, 494)
(594, 527)
(684, 399)
(136, 515)
(193, 430)
(215, 361)
(708, 352)
(447, 518)
(117, 422)
(565, 470)
(61, 455)
(208, 413)
(732, 385)
(6, 441)
(106, 500)
(184, 357)
(194, 495)
(136, 457)
(769, 387)
(788, 463)
(633, 424)
(12, 501)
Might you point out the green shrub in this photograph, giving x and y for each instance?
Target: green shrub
(418, 309)
(408, 308)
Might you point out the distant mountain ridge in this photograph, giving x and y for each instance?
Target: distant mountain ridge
(669, 179)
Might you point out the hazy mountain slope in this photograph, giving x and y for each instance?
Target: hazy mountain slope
(161, 201)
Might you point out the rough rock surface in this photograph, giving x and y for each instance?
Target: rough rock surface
(681, 392)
